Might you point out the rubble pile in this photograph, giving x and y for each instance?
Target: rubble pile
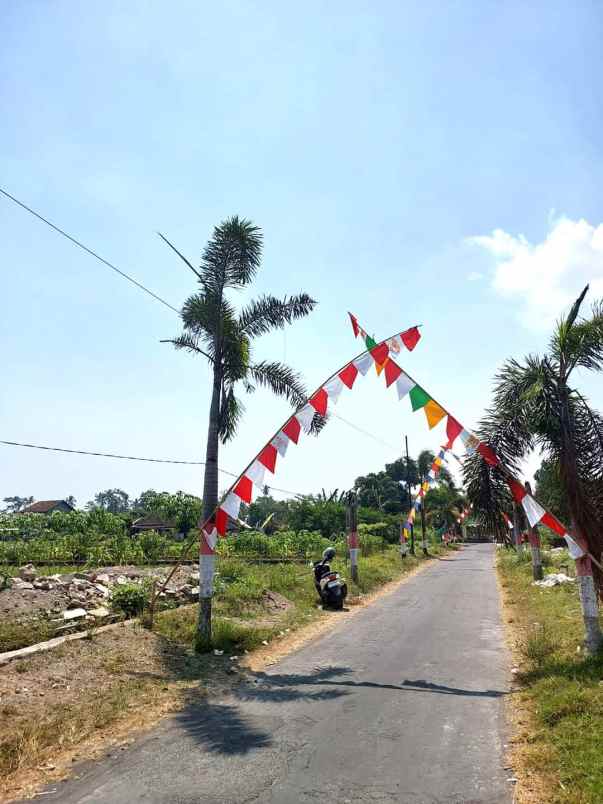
(77, 597)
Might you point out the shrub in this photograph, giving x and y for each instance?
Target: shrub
(130, 599)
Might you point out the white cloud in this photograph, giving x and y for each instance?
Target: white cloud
(545, 278)
(474, 276)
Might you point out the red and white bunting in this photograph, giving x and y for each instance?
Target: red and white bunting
(209, 539)
(534, 511)
(244, 489)
(348, 375)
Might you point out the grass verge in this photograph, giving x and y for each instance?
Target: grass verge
(558, 709)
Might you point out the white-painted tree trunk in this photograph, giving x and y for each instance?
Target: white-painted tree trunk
(590, 611)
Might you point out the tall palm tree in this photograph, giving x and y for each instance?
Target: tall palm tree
(214, 329)
(536, 404)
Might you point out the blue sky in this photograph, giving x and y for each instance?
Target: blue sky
(435, 163)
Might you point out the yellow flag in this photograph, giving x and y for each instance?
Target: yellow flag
(379, 368)
(434, 413)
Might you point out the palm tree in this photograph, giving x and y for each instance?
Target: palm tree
(536, 404)
(214, 329)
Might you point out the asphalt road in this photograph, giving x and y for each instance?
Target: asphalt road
(400, 703)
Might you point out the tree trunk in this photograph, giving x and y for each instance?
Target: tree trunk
(210, 500)
(517, 530)
(590, 610)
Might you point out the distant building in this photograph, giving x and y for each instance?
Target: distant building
(152, 522)
(48, 507)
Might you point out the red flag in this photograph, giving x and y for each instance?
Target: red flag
(410, 338)
(487, 454)
(243, 489)
(453, 428)
(354, 324)
(292, 429)
(348, 375)
(380, 353)
(517, 490)
(392, 372)
(267, 457)
(319, 401)
(221, 521)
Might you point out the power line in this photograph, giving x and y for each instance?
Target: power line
(132, 458)
(88, 250)
(366, 432)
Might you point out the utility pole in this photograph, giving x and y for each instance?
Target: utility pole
(351, 516)
(534, 538)
(412, 527)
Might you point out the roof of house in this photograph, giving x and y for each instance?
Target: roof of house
(152, 521)
(44, 506)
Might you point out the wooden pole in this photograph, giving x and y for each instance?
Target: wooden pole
(517, 530)
(351, 514)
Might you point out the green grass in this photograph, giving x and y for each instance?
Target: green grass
(560, 684)
(238, 616)
(15, 635)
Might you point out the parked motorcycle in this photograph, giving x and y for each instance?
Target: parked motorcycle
(331, 587)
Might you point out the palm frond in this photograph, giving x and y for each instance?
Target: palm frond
(189, 342)
(231, 412)
(267, 313)
(232, 256)
(280, 379)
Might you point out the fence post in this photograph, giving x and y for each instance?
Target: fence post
(517, 530)
(351, 516)
(423, 537)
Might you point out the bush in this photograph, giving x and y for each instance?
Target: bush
(130, 599)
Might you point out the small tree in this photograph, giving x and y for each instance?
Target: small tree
(213, 329)
(536, 404)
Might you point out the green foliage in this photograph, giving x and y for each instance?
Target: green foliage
(130, 599)
(549, 490)
(378, 490)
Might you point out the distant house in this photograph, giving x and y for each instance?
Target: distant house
(152, 522)
(48, 507)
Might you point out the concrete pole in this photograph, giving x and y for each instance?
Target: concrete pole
(207, 563)
(423, 537)
(534, 537)
(412, 527)
(351, 515)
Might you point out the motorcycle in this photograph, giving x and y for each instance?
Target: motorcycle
(331, 587)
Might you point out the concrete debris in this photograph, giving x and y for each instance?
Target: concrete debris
(28, 573)
(102, 579)
(73, 614)
(554, 579)
(19, 584)
(99, 612)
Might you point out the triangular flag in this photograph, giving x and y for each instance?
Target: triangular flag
(470, 440)
(404, 385)
(517, 490)
(354, 321)
(410, 338)
(267, 457)
(553, 523)
(292, 429)
(333, 388)
(281, 442)
(221, 521)
(487, 454)
(232, 505)
(453, 429)
(574, 548)
(370, 342)
(433, 413)
(256, 473)
(380, 366)
(392, 372)
(305, 416)
(418, 397)
(380, 353)
(534, 511)
(243, 489)
(348, 375)
(363, 363)
(319, 401)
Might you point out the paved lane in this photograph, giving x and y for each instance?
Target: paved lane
(401, 703)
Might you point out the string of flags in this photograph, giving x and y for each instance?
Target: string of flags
(435, 413)
(327, 394)
(425, 486)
